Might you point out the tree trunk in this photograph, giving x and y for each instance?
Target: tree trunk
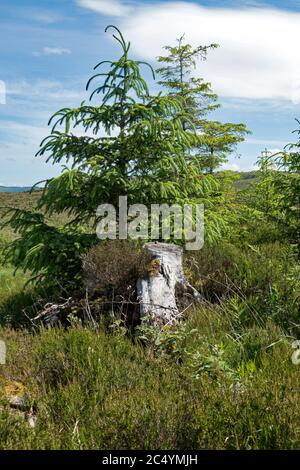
(165, 294)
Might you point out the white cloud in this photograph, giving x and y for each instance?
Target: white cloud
(41, 92)
(2, 92)
(230, 166)
(21, 133)
(258, 57)
(53, 51)
(274, 150)
(275, 143)
(106, 7)
(56, 50)
(44, 16)
(19, 143)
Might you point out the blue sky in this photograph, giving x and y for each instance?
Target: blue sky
(49, 47)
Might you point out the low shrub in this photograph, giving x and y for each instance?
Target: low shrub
(111, 270)
(94, 390)
(260, 282)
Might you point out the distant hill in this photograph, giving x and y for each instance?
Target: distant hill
(246, 178)
(14, 189)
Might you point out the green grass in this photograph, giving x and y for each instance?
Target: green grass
(14, 297)
(25, 201)
(10, 284)
(224, 379)
(98, 390)
(19, 301)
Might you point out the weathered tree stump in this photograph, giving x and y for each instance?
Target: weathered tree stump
(161, 293)
(160, 297)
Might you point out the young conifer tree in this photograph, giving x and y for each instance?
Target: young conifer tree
(129, 143)
(286, 183)
(216, 140)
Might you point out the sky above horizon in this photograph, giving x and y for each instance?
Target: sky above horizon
(49, 47)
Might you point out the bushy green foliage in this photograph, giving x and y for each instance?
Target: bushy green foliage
(261, 282)
(223, 378)
(133, 144)
(287, 186)
(95, 390)
(215, 381)
(43, 249)
(273, 201)
(216, 140)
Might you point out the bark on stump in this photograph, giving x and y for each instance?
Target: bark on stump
(158, 293)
